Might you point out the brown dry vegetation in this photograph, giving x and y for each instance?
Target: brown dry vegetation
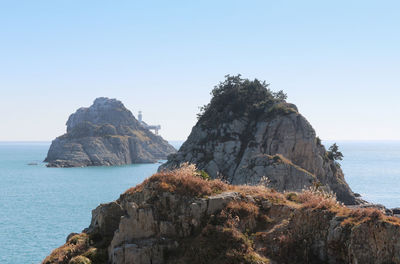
(79, 249)
(185, 181)
(76, 245)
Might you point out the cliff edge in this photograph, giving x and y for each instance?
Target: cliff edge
(248, 134)
(106, 134)
(181, 217)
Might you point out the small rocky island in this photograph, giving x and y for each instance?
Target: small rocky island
(106, 134)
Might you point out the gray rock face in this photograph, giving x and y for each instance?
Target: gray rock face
(243, 147)
(105, 134)
(143, 237)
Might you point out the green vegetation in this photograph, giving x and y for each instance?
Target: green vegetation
(334, 153)
(204, 175)
(237, 97)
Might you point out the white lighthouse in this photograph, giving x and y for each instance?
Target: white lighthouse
(149, 127)
(140, 116)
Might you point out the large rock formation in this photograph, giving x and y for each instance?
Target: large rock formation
(178, 217)
(248, 133)
(106, 133)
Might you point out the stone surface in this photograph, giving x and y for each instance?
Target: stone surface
(243, 224)
(245, 146)
(106, 134)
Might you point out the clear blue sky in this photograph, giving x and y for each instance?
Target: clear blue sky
(339, 61)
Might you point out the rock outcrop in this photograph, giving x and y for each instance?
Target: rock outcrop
(178, 217)
(248, 134)
(106, 134)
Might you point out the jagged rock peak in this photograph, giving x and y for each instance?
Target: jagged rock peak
(106, 133)
(249, 134)
(103, 111)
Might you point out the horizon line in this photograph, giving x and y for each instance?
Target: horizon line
(170, 140)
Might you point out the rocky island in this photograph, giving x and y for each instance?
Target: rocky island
(252, 184)
(106, 134)
(248, 134)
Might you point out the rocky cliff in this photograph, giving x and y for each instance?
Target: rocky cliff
(106, 133)
(179, 217)
(247, 134)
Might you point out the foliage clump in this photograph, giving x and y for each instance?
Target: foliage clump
(235, 97)
(334, 153)
(204, 175)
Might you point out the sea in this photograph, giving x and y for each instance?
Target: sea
(40, 206)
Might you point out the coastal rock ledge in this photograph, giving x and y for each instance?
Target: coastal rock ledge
(179, 217)
(106, 134)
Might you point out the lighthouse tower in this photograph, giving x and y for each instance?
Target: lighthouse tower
(156, 128)
(140, 117)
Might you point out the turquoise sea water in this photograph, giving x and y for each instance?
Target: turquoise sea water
(40, 206)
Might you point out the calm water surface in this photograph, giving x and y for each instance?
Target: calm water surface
(40, 206)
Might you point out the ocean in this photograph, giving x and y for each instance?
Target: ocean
(40, 206)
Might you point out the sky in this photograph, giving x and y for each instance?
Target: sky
(338, 61)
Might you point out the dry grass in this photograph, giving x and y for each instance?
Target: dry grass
(218, 244)
(313, 199)
(242, 209)
(361, 215)
(317, 199)
(80, 260)
(185, 181)
(76, 245)
(260, 192)
(241, 215)
(77, 250)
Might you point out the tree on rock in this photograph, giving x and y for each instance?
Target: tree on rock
(334, 153)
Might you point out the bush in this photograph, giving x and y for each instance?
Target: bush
(236, 97)
(204, 175)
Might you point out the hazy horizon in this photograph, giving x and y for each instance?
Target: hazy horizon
(338, 62)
